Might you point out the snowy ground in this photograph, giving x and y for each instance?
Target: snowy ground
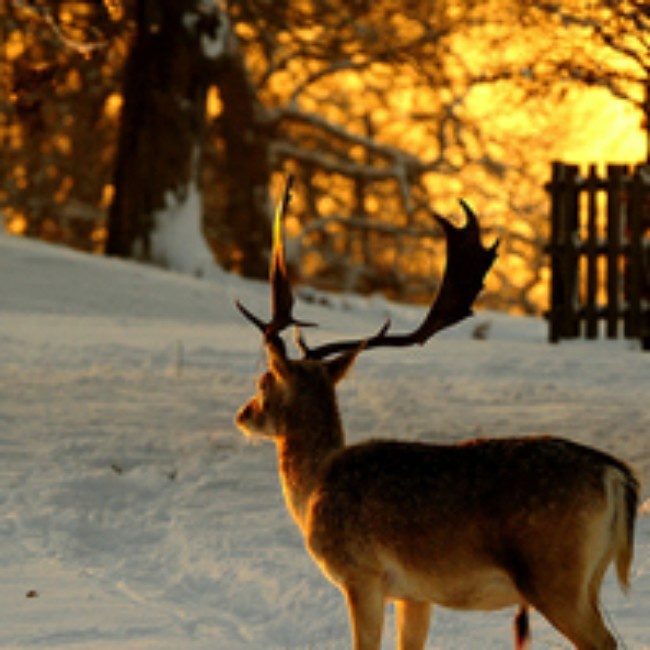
(132, 513)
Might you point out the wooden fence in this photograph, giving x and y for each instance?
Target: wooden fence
(600, 253)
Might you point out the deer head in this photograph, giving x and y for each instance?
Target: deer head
(298, 395)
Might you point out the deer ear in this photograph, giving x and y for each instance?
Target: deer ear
(278, 362)
(339, 366)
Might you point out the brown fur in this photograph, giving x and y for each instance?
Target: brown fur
(480, 525)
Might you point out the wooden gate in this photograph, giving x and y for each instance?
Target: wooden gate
(600, 253)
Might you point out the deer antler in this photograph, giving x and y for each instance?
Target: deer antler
(281, 295)
(468, 261)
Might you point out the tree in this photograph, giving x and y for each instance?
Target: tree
(332, 82)
(156, 213)
(245, 168)
(621, 62)
(390, 110)
(58, 71)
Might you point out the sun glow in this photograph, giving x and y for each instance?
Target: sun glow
(500, 163)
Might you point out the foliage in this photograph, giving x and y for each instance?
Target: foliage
(384, 110)
(61, 64)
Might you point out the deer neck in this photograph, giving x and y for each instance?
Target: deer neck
(302, 455)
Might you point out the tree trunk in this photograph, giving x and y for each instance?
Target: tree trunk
(246, 143)
(156, 212)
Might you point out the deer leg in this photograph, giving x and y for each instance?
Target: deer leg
(576, 615)
(366, 609)
(583, 625)
(412, 624)
(569, 601)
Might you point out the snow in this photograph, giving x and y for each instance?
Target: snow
(212, 45)
(134, 515)
(177, 241)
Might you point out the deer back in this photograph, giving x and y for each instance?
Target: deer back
(445, 510)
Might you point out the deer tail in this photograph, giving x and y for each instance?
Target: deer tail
(626, 497)
(522, 629)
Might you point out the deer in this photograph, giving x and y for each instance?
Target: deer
(484, 524)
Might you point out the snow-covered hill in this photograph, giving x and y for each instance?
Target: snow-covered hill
(132, 513)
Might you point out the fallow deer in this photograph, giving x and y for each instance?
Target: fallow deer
(481, 525)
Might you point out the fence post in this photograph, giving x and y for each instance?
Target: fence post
(564, 259)
(634, 262)
(614, 203)
(591, 297)
(554, 311)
